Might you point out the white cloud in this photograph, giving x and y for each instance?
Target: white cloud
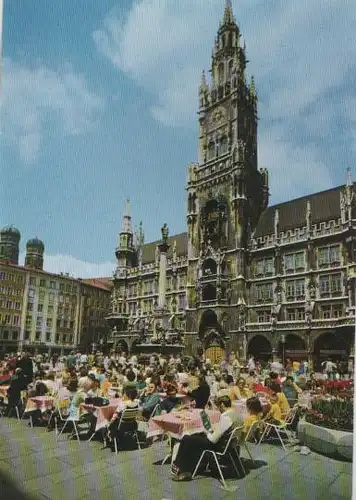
(75, 267)
(38, 99)
(299, 52)
(304, 173)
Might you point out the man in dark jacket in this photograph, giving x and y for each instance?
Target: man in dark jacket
(26, 365)
(201, 394)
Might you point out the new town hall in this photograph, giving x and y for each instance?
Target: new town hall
(245, 277)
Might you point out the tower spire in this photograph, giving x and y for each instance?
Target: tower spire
(228, 14)
(348, 177)
(127, 222)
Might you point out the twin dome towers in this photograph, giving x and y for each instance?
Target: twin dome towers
(10, 248)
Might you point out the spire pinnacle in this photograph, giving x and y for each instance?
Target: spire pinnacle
(228, 15)
(127, 223)
(348, 177)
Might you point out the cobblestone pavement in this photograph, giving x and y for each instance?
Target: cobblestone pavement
(34, 467)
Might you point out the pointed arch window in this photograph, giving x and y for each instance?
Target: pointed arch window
(231, 64)
(211, 151)
(223, 146)
(221, 73)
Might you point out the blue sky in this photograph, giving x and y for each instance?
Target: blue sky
(100, 104)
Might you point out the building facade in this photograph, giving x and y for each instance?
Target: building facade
(245, 277)
(47, 312)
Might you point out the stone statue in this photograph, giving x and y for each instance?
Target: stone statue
(165, 232)
(174, 251)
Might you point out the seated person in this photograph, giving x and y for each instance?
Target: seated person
(171, 401)
(38, 388)
(129, 402)
(282, 400)
(201, 394)
(254, 414)
(245, 392)
(148, 400)
(140, 382)
(291, 391)
(50, 383)
(275, 378)
(223, 389)
(5, 377)
(129, 380)
(191, 447)
(259, 387)
(66, 392)
(274, 416)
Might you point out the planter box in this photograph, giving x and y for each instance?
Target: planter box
(326, 441)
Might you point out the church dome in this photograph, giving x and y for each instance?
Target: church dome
(10, 231)
(35, 243)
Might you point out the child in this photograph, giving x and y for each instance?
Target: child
(274, 416)
(254, 410)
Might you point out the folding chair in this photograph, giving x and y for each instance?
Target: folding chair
(229, 444)
(129, 415)
(75, 419)
(60, 412)
(210, 404)
(283, 427)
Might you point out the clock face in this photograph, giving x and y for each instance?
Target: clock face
(218, 116)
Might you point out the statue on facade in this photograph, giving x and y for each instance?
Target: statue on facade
(174, 251)
(165, 232)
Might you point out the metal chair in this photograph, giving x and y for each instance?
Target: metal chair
(128, 416)
(73, 418)
(283, 427)
(229, 443)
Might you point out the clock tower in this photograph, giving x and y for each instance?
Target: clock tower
(226, 195)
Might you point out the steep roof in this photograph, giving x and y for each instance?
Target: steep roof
(103, 283)
(324, 206)
(149, 250)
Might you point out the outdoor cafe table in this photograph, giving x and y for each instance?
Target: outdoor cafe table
(103, 413)
(179, 423)
(42, 403)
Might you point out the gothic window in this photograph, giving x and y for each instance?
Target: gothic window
(189, 203)
(223, 147)
(231, 63)
(209, 267)
(330, 284)
(295, 290)
(211, 151)
(209, 292)
(221, 73)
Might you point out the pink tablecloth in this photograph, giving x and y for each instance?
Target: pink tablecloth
(103, 413)
(42, 403)
(180, 423)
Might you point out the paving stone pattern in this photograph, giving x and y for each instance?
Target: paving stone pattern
(34, 467)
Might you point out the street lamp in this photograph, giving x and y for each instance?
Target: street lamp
(283, 340)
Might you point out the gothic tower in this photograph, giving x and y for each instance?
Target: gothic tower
(226, 192)
(125, 252)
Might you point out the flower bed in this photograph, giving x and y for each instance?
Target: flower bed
(328, 426)
(333, 412)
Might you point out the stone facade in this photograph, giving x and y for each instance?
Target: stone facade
(245, 277)
(48, 312)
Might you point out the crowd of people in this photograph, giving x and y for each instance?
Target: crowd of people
(141, 381)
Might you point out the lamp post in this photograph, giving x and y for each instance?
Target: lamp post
(283, 340)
